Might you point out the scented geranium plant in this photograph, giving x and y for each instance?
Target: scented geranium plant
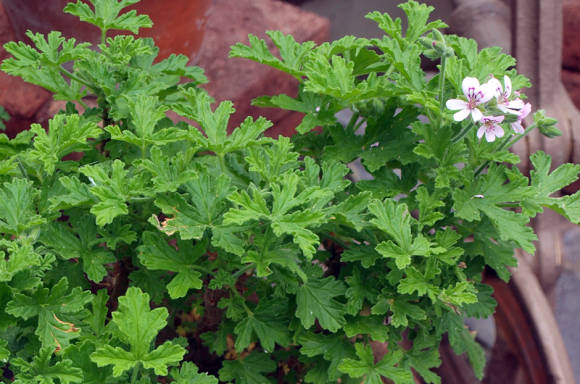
(141, 249)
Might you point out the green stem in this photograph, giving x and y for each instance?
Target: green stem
(103, 36)
(135, 373)
(389, 70)
(223, 165)
(352, 121)
(75, 78)
(83, 104)
(442, 82)
(462, 133)
(266, 243)
(242, 270)
(21, 168)
(243, 300)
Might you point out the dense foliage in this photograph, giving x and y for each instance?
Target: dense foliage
(138, 249)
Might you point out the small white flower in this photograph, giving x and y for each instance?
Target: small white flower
(502, 95)
(490, 128)
(476, 94)
(523, 113)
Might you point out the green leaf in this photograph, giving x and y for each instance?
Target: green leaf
(315, 300)
(40, 370)
(106, 15)
(79, 354)
(393, 219)
(53, 307)
(428, 204)
(4, 352)
(415, 281)
(546, 183)
(188, 374)
(157, 254)
(423, 361)
(145, 113)
(38, 65)
(268, 330)
(292, 53)
(285, 257)
(119, 50)
(459, 294)
(510, 225)
(367, 256)
(403, 310)
(333, 349)
(170, 172)
(138, 326)
(248, 370)
(417, 16)
(66, 134)
(359, 290)
(374, 326)
(365, 367)
(17, 208)
(201, 208)
(21, 255)
(85, 247)
(113, 185)
(463, 342)
(74, 193)
(485, 305)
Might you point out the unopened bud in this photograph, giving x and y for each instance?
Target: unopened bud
(546, 125)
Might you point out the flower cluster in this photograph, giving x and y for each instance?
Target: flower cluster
(478, 95)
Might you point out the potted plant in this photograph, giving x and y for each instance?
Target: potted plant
(168, 252)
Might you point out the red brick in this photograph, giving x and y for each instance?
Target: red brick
(241, 80)
(19, 98)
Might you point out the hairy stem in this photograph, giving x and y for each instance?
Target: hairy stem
(462, 133)
(442, 82)
(135, 373)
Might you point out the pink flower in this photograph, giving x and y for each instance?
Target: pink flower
(476, 94)
(502, 95)
(522, 114)
(490, 127)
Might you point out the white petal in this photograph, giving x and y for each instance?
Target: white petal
(454, 104)
(517, 127)
(489, 135)
(461, 115)
(507, 85)
(476, 114)
(480, 132)
(469, 82)
(515, 104)
(498, 131)
(505, 109)
(494, 84)
(486, 92)
(525, 111)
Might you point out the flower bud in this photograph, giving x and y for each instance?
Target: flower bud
(546, 125)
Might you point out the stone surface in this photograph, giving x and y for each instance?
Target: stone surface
(571, 51)
(241, 80)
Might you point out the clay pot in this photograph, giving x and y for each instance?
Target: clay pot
(177, 27)
(528, 347)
